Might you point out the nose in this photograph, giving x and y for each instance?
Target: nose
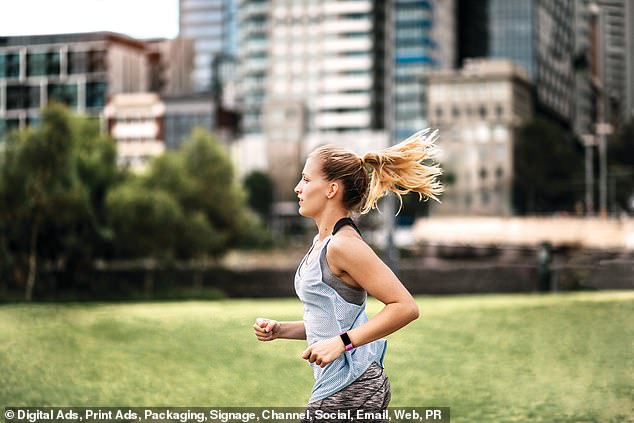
(297, 188)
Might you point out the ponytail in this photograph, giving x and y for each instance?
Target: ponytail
(401, 169)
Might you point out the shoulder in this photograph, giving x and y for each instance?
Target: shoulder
(347, 247)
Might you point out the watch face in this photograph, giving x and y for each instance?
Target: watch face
(346, 340)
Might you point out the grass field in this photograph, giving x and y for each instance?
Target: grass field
(493, 358)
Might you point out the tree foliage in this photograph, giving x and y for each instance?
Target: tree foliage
(548, 169)
(64, 202)
(260, 188)
(621, 165)
(47, 208)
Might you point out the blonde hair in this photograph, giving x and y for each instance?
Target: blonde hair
(400, 169)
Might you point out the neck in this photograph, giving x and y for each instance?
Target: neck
(326, 222)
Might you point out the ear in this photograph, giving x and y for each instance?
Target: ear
(333, 189)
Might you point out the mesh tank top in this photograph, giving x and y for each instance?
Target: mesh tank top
(326, 315)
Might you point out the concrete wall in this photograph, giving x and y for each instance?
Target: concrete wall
(594, 233)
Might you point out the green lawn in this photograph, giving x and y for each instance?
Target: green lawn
(491, 358)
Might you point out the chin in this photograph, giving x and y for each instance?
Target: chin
(303, 212)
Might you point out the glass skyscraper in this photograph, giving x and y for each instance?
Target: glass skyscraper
(213, 26)
(539, 36)
(423, 40)
(412, 57)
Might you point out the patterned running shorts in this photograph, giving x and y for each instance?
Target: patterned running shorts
(369, 393)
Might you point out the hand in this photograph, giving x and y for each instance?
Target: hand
(266, 329)
(324, 352)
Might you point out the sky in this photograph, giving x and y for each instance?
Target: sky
(136, 18)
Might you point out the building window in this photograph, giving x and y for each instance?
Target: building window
(23, 97)
(8, 125)
(499, 111)
(36, 64)
(96, 94)
(438, 113)
(77, 62)
(64, 93)
(9, 65)
(485, 196)
(483, 112)
(41, 64)
(97, 61)
(483, 173)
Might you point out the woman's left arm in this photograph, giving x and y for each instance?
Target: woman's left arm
(356, 258)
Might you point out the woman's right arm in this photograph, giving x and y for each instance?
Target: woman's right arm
(268, 330)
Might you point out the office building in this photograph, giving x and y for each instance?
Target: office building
(213, 26)
(424, 39)
(629, 28)
(585, 70)
(538, 35)
(616, 48)
(80, 70)
(477, 110)
(312, 72)
(472, 30)
(329, 55)
(253, 17)
(183, 113)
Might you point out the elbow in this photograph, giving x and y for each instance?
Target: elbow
(413, 311)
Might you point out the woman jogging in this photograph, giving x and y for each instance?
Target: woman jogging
(345, 349)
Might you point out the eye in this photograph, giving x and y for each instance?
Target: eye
(305, 179)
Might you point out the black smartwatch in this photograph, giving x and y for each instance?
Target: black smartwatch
(346, 341)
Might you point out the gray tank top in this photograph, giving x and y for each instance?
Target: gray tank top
(326, 314)
(350, 293)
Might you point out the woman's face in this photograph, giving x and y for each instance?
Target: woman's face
(311, 189)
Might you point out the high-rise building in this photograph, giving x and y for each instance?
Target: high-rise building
(312, 72)
(472, 30)
(254, 55)
(80, 70)
(329, 55)
(585, 112)
(423, 34)
(629, 28)
(213, 26)
(535, 34)
(616, 47)
(539, 36)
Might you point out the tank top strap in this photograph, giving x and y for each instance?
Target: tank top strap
(345, 221)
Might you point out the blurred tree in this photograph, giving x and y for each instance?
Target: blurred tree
(38, 183)
(260, 188)
(212, 214)
(167, 193)
(548, 169)
(621, 165)
(146, 222)
(64, 202)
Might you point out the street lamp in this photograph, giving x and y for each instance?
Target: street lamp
(589, 142)
(602, 130)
